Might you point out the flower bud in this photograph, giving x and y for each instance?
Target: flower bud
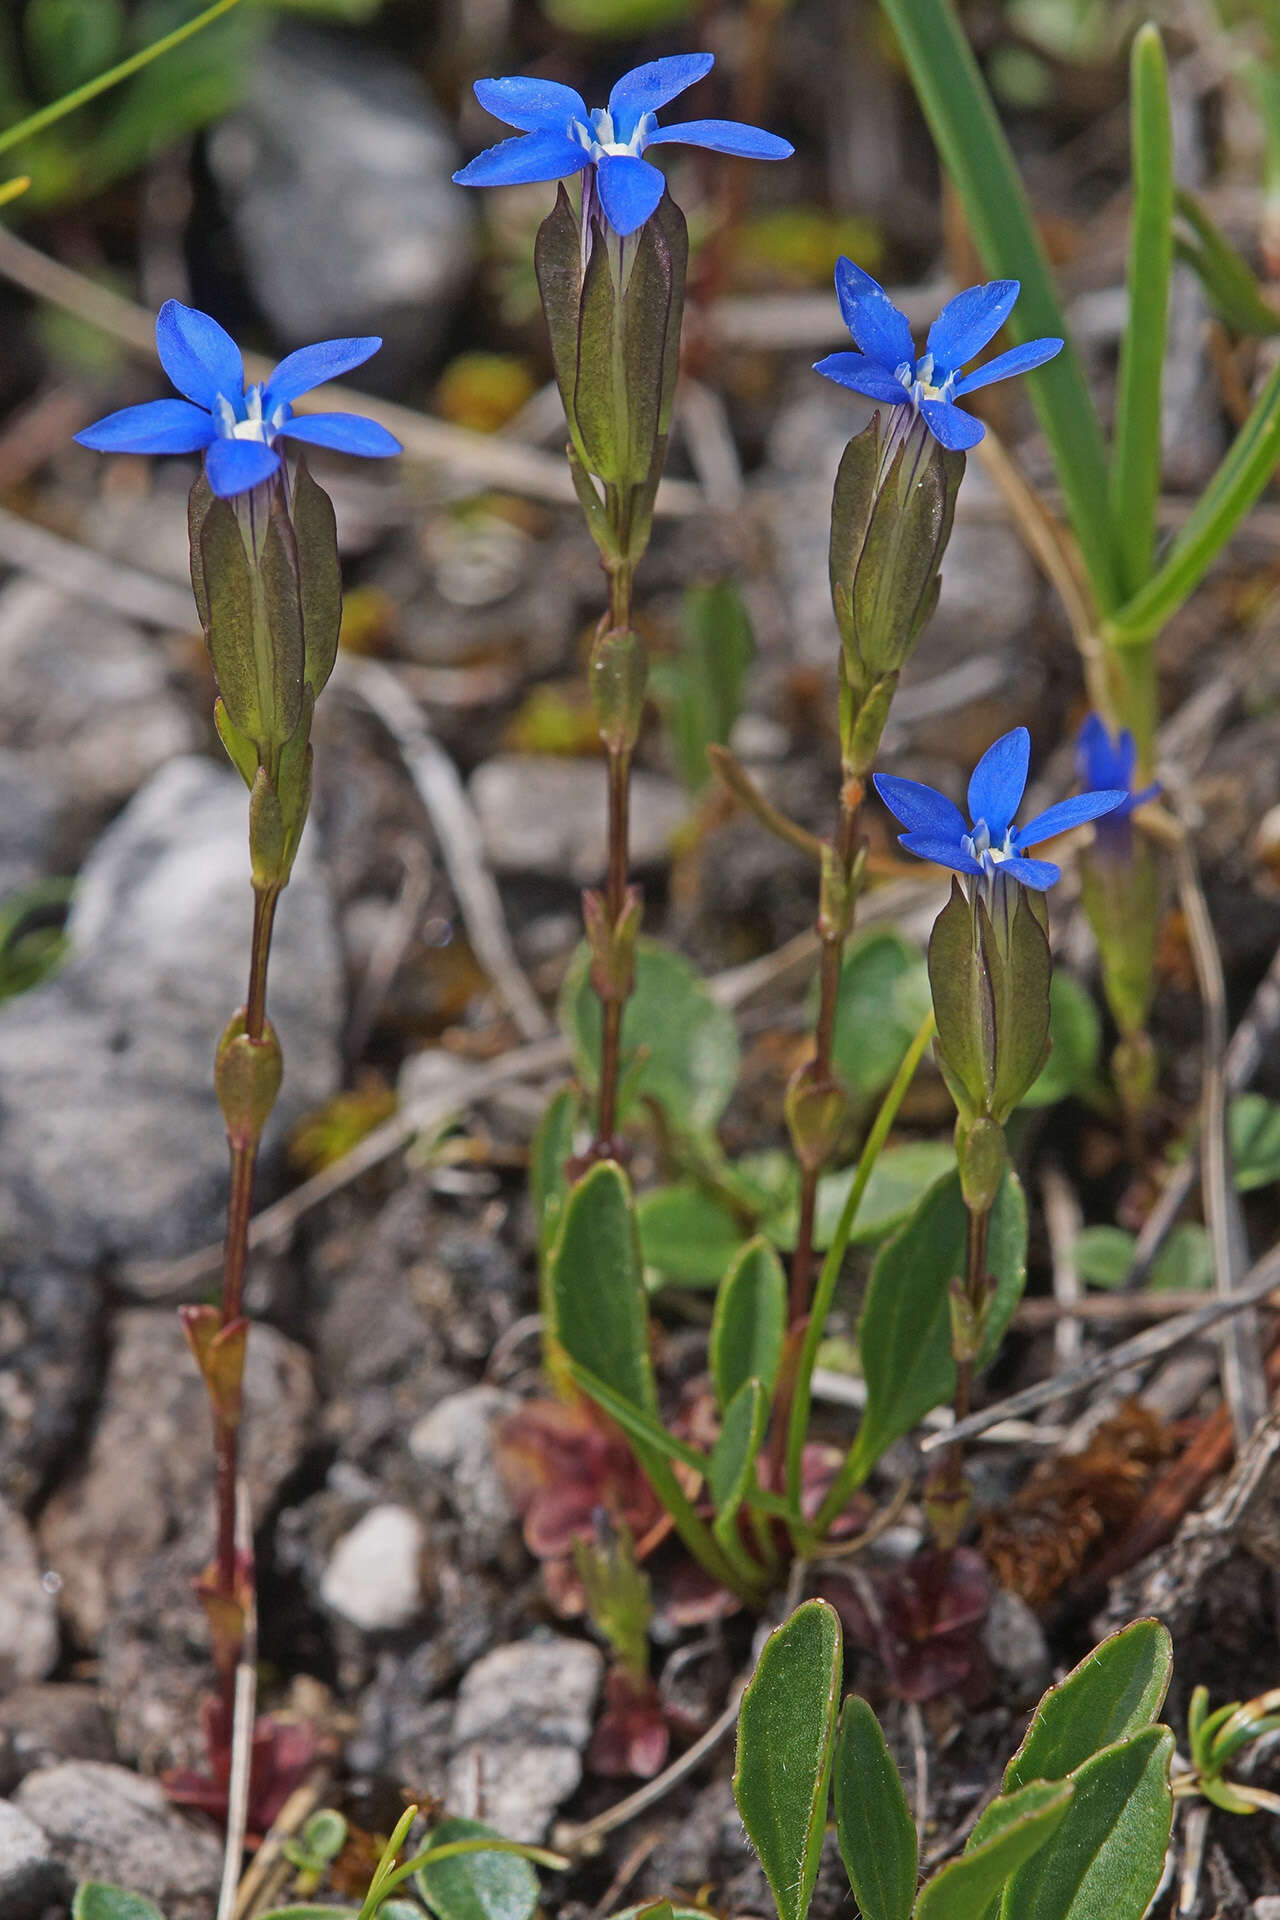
(895, 498)
(989, 973)
(613, 311)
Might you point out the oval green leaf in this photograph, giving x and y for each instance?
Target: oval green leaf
(786, 1729)
(601, 1316)
(967, 1887)
(1105, 1860)
(749, 1322)
(476, 1886)
(1116, 1691)
(95, 1900)
(873, 1821)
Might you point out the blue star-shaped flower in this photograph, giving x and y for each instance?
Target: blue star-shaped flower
(1104, 760)
(937, 831)
(560, 136)
(235, 427)
(887, 368)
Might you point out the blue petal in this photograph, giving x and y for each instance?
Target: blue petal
(518, 162)
(871, 317)
(199, 356)
(1033, 353)
(1067, 814)
(159, 426)
(921, 809)
(535, 106)
(966, 323)
(629, 190)
(1040, 874)
(346, 432)
(233, 466)
(943, 853)
(1102, 761)
(649, 87)
(999, 781)
(951, 426)
(312, 366)
(725, 136)
(856, 371)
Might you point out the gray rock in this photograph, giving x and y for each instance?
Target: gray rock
(105, 1823)
(47, 1722)
(1017, 1648)
(543, 814)
(456, 1440)
(91, 708)
(341, 142)
(145, 1483)
(30, 1876)
(29, 809)
(373, 1579)
(49, 1340)
(523, 1717)
(127, 1029)
(28, 1611)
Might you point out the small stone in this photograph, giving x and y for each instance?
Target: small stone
(50, 1721)
(540, 813)
(146, 1481)
(28, 1611)
(374, 1576)
(30, 1877)
(105, 1823)
(456, 1439)
(339, 138)
(29, 808)
(1017, 1648)
(49, 1345)
(523, 1717)
(158, 958)
(1267, 1908)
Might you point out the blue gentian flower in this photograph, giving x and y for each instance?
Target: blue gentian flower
(235, 427)
(1104, 760)
(937, 831)
(887, 368)
(560, 136)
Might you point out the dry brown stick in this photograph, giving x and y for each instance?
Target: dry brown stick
(1143, 1347)
(1242, 1375)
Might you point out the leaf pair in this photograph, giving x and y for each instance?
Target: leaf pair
(1079, 1829)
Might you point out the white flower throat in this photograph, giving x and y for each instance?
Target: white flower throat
(600, 139)
(254, 425)
(919, 381)
(978, 847)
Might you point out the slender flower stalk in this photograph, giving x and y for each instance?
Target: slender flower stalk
(268, 587)
(612, 278)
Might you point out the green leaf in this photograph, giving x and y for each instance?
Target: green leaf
(1255, 1141)
(281, 671)
(873, 1821)
(476, 1886)
(95, 1900)
(976, 153)
(325, 1834)
(699, 689)
(690, 1063)
(1075, 1029)
(904, 1335)
(319, 576)
(1136, 463)
(884, 994)
(71, 41)
(1244, 472)
(1115, 1692)
(1103, 1256)
(1185, 1262)
(749, 1322)
(786, 1728)
(602, 1318)
(1105, 1861)
(732, 1466)
(963, 1006)
(687, 1233)
(557, 262)
(897, 1183)
(965, 1888)
(552, 1147)
(1223, 273)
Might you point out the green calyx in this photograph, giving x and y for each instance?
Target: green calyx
(246, 1076)
(268, 586)
(989, 974)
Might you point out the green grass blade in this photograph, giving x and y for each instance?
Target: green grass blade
(1249, 464)
(37, 122)
(1135, 471)
(976, 153)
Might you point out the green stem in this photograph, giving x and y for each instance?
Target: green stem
(79, 96)
(451, 1850)
(798, 1427)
